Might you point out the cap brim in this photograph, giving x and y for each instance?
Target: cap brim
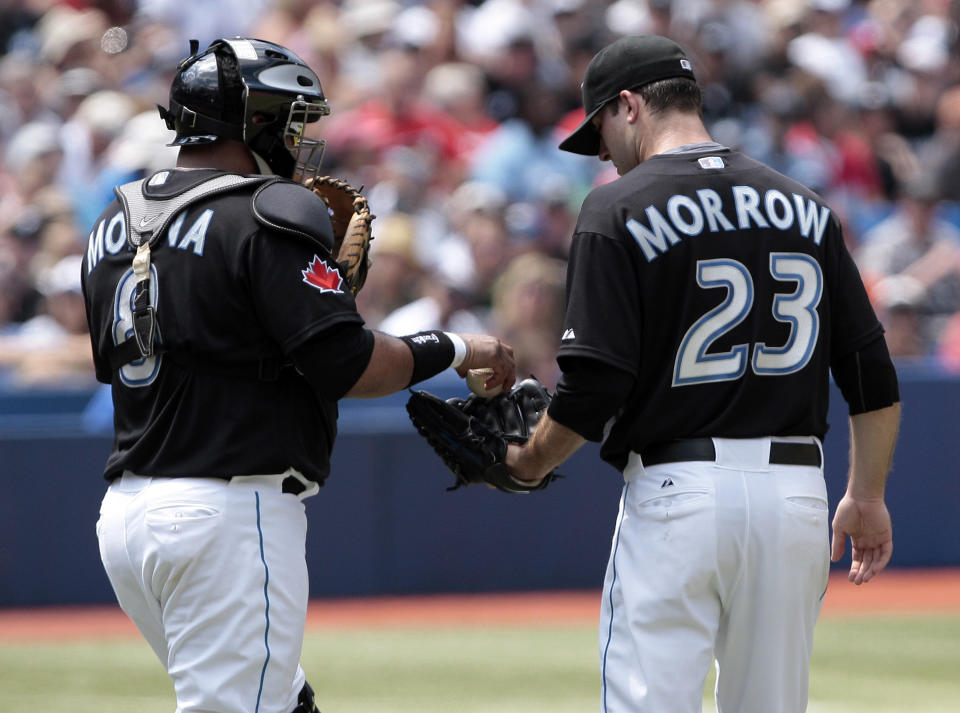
(584, 140)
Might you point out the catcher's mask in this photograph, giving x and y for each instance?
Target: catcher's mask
(253, 91)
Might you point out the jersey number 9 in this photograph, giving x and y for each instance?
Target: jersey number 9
(141, 372)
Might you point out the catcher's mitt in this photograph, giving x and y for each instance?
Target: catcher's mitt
(351, 217)
(471, 435)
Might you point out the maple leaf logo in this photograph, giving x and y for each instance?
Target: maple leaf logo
(320, 275)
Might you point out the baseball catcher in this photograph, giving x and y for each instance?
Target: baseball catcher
(471, 435)
(350, 218)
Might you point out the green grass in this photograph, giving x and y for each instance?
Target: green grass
(864, 665)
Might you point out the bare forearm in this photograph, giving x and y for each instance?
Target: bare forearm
(393, 363)
(873, 435)
(388, 371)
(551, 444)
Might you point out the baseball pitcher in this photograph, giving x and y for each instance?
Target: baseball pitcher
(708, 300)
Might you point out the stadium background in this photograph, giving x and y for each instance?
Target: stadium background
(449, 113)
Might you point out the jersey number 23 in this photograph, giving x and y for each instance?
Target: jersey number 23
(694, 365)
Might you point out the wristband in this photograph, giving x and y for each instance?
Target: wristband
(432, 351)
(459, 349)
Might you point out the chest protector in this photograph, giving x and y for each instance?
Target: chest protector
(150, 206)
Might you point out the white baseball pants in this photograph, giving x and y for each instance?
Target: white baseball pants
(724, 561)
(213, 573)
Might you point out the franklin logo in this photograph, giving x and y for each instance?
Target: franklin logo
(568, 336)
(686, 65)
(425, 338)
(320, 275)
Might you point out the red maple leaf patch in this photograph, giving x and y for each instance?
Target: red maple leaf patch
(320, 275)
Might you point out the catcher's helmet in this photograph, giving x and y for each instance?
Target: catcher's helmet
(253, 91)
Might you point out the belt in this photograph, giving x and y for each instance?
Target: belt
(292, 485)
(781, 452)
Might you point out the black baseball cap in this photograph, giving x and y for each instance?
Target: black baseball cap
(628, 63)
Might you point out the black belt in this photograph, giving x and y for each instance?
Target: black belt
(781, 452)
(292, 485)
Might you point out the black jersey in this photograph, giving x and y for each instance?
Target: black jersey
(724, 288)
(229, 294)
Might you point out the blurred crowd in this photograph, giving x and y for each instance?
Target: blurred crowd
(449, 112)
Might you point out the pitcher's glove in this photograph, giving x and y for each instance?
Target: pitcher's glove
(471, 435)
(350, 217)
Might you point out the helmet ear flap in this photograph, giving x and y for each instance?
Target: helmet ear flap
(167, 117)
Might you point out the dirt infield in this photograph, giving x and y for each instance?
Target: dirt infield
(918, 591)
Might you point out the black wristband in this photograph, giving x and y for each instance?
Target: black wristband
(432, 351)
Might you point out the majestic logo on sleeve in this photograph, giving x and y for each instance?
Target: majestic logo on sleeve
(320, 275)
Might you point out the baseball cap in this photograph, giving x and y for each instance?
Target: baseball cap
(630, 62)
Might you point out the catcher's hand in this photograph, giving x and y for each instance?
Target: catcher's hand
(350, 217)
(471, 435)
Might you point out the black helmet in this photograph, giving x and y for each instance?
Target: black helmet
(253, 91)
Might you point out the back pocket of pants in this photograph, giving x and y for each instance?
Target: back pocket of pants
(178, 512)
(808, 502)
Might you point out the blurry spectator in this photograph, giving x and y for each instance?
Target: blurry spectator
(440, 303)
(363, 26)
(12, 291)
(557, 218)
(899, 310)
(491, 248)
(443, 108)
(72, 87)
(925, 52)
(58, 234)
(32, 161)
(655, 17)
(942, 153)
(877, 159)
(528, 300)
(19, 296)
(203, 21)
(53, 347)
(478, 244)
(812, 156)
(458, 89)
(85, 137)
(505, 38)
(404, 185)
(523, 152)
(949, 349)
(63, 311)
(139, 148)
(395, 272)
(70, 37)
(396, 115)
(826, 52)
(20, 99)
(545, 224)
(915, 245)
(16, 21)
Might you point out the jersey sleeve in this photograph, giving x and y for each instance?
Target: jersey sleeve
(298, 291)
(603, 311)
(853, 320)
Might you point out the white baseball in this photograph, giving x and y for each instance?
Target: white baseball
(476, 378)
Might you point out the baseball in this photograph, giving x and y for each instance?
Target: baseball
(476, 379)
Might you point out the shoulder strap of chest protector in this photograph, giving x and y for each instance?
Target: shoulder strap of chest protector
(147, 217)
